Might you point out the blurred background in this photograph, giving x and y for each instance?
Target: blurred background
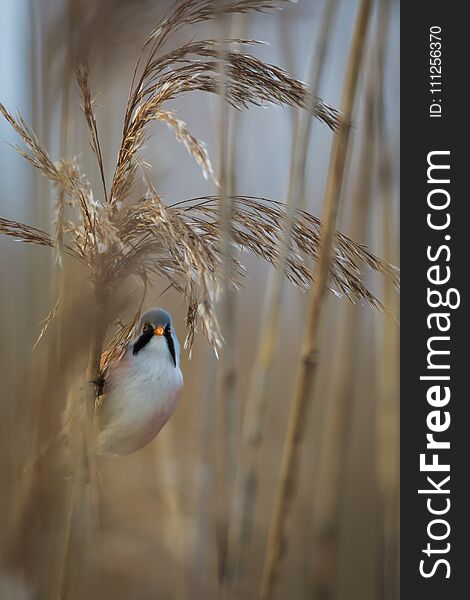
(159, 529)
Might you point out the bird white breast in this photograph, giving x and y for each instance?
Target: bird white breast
(142, 392)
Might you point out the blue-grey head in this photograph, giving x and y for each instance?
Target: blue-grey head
(157, 322)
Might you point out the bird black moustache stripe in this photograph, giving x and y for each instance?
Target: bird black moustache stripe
(171, 344)
(145, 338)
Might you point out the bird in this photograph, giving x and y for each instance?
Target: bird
(142, 388)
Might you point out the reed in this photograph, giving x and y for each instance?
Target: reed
(337, 435)
(257, 396)
(226, 398)
(303, 391)
(388, 407)
(388, 416)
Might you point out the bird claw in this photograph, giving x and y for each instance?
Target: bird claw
(99, 382)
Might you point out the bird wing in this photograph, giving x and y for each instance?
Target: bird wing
(114, 352)
(108, 357)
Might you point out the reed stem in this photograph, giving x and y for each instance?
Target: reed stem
(255, 411)
(303, 391)
(84, 461)
(332, 475)
(388, 408)
(227, 396)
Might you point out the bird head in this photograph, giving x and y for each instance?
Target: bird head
(156, 324)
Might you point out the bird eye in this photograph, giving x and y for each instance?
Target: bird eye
(146, 328)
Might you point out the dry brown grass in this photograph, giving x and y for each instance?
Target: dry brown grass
(115, 232)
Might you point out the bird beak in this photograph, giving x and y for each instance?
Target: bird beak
(159, 330)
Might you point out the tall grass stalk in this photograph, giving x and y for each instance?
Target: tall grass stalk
(388, 413)
(388, 408)
(167, 471)
(330, 489)
(304, 386)
(203, 543)
(256, 404)
(67, 565)
(38, 414)
(82, 504)
(226, 392)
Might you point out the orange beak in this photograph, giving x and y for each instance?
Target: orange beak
(158, 330)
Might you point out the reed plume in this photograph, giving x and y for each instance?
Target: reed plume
(119, 235)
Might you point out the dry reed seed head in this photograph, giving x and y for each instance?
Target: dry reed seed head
(66, 176)
(93, 232)
(249, 81)
(47, 321)
(189, 12)
(25, 233)
(195, 147)
(156, 233)
(82, 75)
(35, 154)
(258, 225)
(179, 55)
(181, 243)
(58, 226)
